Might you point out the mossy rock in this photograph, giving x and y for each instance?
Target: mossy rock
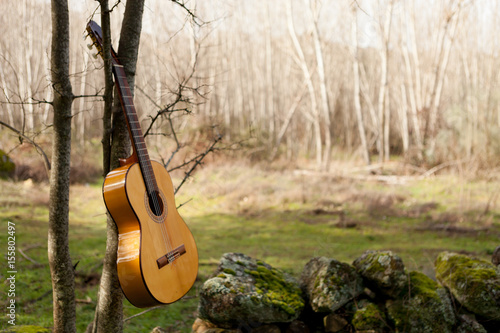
(246, 291)
(383, 272)
(473, 282)
(426, 307)
(329, 284)
(7, 166)
(369, 317)
(26, 329)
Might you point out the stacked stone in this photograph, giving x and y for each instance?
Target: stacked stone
(374, 294)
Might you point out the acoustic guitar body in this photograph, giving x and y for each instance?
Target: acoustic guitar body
(157, 258)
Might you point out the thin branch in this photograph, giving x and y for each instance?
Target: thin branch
(90, 95)
(36, 102)
(198, 162)
(28, 257)
(184, 203)
(189, 12)
(154, 308)
(39, 149)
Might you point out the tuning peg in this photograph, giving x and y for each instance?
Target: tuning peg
(95, 55)
(90, 46)
(85, 36)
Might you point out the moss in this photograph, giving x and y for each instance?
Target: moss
(275, 289)
(423, 286)
(25, 329)
(249, 293)
(369, 317)
(475, 283)
(424, 303)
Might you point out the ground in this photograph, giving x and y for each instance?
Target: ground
(284, 217)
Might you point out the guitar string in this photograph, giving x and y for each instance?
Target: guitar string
(153, 196)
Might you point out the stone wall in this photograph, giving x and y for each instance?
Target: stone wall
(374, 294)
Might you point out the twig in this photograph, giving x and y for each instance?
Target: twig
(154, 308)
(182, 204)
(28, 257)
(190, 13)
(37, 147)
(87, 300)
(441, 166)
(198, 162)
(45, 294)
(143, 312)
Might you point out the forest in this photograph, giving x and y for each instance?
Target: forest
(291, 79)
(334, 126)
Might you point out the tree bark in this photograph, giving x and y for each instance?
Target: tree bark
(61, 268)
(109, 311)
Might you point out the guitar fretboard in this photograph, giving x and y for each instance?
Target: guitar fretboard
(137, 137)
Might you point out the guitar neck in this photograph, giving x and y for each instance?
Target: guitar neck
(136, 136)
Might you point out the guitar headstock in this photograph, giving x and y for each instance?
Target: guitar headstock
(95, 33)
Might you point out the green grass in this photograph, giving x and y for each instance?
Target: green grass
(281, 218)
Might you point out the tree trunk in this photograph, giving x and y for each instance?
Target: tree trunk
(315, 115)
(357, 97)
(384, 62)
(435, 98)
(322, 84)
(109, 311)
(61, 268)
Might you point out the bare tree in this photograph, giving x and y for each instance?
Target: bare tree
(314, 9)
(444, 48)
(61, 268)
(109, 310)
(383, 110)
(314, 115)
(356, 88)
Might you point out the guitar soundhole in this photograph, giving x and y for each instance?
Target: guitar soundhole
(155, 204)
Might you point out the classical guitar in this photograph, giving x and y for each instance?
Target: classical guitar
(157, 259)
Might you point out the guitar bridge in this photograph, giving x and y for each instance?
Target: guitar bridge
(171, 256)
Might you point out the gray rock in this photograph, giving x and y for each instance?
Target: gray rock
(383, 272)
(473, 282)
(426, 307)
(329, 284)
(469, 325)
(246, 291)
(334, 323)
